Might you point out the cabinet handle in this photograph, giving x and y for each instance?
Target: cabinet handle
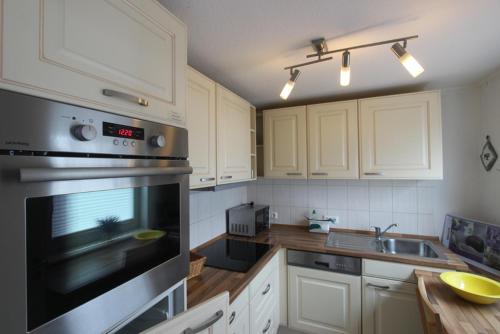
(226, 177)
(385, 287)
(323, 264)
(292, 174)
(268, 287)
(212, 320)
(319, 173)
(206, 179)
(374, 173)
(267, 326)
(232, 317)
(124, 96)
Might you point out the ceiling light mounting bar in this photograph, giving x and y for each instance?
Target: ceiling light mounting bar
(390, 41)
(319, 60)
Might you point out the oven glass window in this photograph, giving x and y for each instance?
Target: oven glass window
(82, 245)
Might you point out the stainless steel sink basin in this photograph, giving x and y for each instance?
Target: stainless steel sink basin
(407, 246)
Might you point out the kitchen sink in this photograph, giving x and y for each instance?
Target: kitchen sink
(408, 247)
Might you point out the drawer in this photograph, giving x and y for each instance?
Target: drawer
(396, 271)
(239, 304)
(266, 322)
(267, 292)
(263, 275)
(240, 322)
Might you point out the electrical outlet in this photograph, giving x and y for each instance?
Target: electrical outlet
(274, 215)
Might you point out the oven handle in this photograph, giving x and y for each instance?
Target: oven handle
(64, 174)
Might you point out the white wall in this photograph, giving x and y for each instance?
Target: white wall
(208, 212)
(418, 207)
(489, 198)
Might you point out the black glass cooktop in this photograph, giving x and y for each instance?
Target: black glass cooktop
(234, 255)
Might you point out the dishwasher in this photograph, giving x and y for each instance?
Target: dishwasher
(324, 292)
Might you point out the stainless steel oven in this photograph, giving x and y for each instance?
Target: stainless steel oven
(94, 215)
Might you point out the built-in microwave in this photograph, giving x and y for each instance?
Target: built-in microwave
(95, 215)
(247, 219)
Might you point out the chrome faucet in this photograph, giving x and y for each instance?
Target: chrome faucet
(379, 233)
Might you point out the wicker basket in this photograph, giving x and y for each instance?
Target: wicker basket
(196, 263)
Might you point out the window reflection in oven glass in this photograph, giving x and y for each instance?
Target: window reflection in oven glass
(82, 245)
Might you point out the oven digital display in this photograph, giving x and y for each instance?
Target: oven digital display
(122, 131)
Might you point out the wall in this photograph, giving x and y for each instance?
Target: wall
(208, 212)
(418, 207)
(489, 203)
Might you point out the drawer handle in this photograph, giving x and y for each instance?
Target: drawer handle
(319, 173)
(385, 287)
(232, 317)
(268, 287)
(267, 326)
(323, 264)
(206, 179)
(124, 96)
(207, 324)
(293, 174)
(226, 177)
(374, 173)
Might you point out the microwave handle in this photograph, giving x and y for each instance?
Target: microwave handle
(65, 174)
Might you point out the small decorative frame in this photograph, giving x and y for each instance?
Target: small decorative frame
(489, 155)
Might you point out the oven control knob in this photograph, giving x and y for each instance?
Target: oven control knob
(85, 132)
(158, 141)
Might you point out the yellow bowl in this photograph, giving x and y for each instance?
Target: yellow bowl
(474, 288)
(149, 235)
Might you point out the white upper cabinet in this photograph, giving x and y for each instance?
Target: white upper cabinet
(233, 137)
(200, 121)
(123, 56)
(333, 140)
(285, 151)
(400, 137)
(207, 318)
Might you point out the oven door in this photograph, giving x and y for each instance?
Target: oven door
(86, 242)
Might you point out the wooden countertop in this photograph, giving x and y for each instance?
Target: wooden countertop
(213, 281)
(458, 315)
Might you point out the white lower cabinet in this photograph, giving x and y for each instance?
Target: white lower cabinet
(390, 307)
(323, 302)
(207, 318)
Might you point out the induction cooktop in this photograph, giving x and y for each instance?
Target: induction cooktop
(234, 255)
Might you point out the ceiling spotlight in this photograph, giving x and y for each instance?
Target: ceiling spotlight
(410, 63)
(345, 69)
(289, 84)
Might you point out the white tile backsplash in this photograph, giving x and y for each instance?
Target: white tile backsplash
(359, 204)
(207, 210)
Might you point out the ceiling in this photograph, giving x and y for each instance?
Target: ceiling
(244, 45)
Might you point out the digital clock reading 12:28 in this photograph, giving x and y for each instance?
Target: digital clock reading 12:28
(122, 131)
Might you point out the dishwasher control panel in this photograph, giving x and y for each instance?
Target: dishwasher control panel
(330, 262)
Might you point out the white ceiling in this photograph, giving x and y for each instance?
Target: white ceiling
(244, 44)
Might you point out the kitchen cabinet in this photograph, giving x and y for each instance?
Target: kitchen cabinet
(390, 307)
(323, 302)
(122, 56)
(285, 143)
(201, 124)
(400, 137)
(212, 314)
(233, 137)
(332, 130)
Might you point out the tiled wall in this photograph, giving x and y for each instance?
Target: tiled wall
(208, 212)
(358, 204)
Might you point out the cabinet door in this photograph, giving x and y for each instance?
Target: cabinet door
(200, 121)
(285, 143)
(400, 136)
(72, 50)
(212, 314)
(333, 140)
(323, 302)
(240, 324)
(390, 307)
(233, 137)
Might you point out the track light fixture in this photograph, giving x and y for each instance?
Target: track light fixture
(345, 69)
(287, 89)
(321, 49)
